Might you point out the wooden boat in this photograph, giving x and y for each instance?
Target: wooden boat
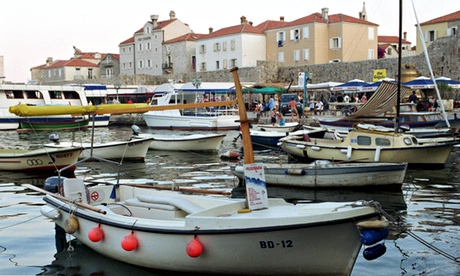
(371, 145)
(73, 124)
(289, 126)
(324, 174)
(132, 150)
(40, 160)
(190, 142)
(202, 234)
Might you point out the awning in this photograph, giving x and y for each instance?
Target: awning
(384, 98)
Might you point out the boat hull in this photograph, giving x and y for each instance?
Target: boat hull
(40, 160)
(331, 175)
(163, 120)
(25, 125)
(274, 241)
(133, 150)
(192, 142)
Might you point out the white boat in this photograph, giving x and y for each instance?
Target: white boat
(41, 95)
(172, 231)
(38, 160)
(210, 118)
(132, 150)
(189, 142)
(263, 138)
(325, 174)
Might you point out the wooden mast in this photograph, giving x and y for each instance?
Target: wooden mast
(244, 123)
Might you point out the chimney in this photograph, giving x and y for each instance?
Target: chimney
(172, 15)
(154, 19)
(250, 23)
(405, 35)
(324, 13)
(282, 18)
(210, 29)
(243, 20)
(49, 60)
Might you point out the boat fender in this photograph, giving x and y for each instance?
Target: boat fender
(373, 224)
(71, 225)
(96, 234)
(300, 146)
(246, 210)
(377, 153)
(316, 148)
(129, 243)
(371, 236)
(295, 172)
(349, 151)
(194, 248)
(373, 252)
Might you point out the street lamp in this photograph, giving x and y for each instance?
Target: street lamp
(306, 78)
(117, 86)
(196, 82)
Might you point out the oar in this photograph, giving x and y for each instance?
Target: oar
(63, 198)
(184, 190)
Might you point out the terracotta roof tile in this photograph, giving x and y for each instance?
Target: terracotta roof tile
(446, 18)
(185, 37)
(242, 28)
(391, 39)
(128, 41)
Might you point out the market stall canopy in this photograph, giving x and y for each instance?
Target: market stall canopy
(264, 90)
(350, 86)
(452, 83)
(420, 83)
(371, 87)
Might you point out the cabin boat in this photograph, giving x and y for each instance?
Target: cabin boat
(41, 95)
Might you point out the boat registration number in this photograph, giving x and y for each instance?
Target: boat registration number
(273, 244)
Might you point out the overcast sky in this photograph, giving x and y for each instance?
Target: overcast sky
(32, 30)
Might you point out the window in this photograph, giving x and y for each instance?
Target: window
(295, 34)
(370, 33)
(281, 57)
(149, 63)
(90, 74)
(382, 142)
(430, 36)
(193, 62)
(306, 54)
(225, 64)
(216, 47)
(296, 55)
(217, 65)
(71, 95)
(224, 46)
(203, 66)
(233, 62)
(149, 46)
(140, 47)
(306, 32)
(202, 49)
(233, 44)
(335, 43)
(280, 38)
(55, 94)
(33, 94)
(452, 31)
(370, 54)
(141, 64)
(364, 140)
(389, 51)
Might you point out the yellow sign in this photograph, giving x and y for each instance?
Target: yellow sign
(379, 74)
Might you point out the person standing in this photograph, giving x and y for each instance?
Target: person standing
(413, 97)
(293, 107)
(319, 107)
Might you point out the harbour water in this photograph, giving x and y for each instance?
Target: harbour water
(425, 239)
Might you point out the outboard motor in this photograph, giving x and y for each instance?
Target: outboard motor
(53, 183)
(136, 130)
(54, 138)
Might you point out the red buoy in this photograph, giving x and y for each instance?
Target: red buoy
(194, 248)
(96, 234)
(129, 243)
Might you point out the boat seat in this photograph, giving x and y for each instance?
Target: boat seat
(75, 189)
(137, 203)
(180, 203)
